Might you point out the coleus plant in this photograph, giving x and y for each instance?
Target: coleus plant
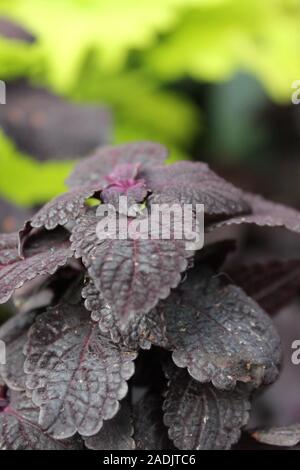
(137, 343)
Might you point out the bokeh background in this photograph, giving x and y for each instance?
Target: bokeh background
(211, 79)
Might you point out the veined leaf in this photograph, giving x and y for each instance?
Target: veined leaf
(77, 377)
(44, 253)
(20, 430)
(217, 332)
(201, 417)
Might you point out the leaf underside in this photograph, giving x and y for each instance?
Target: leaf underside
(273, 284)
(265, 214)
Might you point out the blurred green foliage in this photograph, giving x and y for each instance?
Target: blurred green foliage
(26, 181)
(128, 54)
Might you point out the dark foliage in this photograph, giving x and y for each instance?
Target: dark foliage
(195, 332)
(34, 118)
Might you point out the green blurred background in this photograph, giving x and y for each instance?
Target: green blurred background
(211, 79)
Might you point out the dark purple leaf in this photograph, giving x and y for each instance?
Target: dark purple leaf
(123, 181)
(20, 429)
(123, 172)
(273, 284)
(44, 254)
(132, 275)
(283, 436)
(266, 214)
(217, 332)
(8, 248)
(14, 335)
(132, 334)
(150, 432)
(194, 183)
(46, 126)
(200, 417)
(135, 193)
(97, 167)
(63, 209)
(116, 434)
(76, 375)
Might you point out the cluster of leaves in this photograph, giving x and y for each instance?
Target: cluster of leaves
(129, 54)
(92, 311)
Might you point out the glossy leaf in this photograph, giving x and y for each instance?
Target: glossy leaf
(133, 334)
(20, 429)
(131, 274)
(116, 434)
(77, 377)
(14, 335)
(200, 417)
(8, 248)
(64, 208)
(44, 255)
(266, 214)
(97, 167)
(217, 332)
(194, 183)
